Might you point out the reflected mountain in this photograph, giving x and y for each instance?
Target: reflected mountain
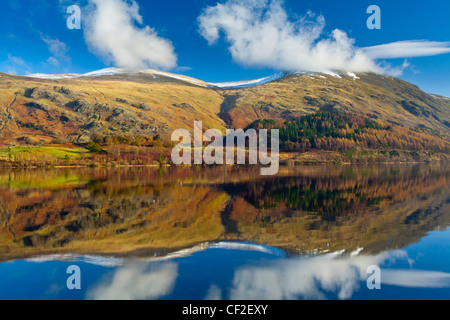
(150, 212)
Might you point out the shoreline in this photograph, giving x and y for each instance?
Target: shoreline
(293, 164)
(294, 160)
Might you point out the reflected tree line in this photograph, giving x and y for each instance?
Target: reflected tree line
(137, 210)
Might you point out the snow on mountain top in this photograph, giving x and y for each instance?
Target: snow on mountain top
(156, 74)
(176, 76)
(118, 71)
(108, 71)
(105, 72)
(352, 75)
(333, 74)
(322, 75)
(53, 76)
(249, 83)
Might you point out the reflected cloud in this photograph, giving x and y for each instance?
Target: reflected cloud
(416, 279)
(305, 277)
(322, 276)
(137, 282)
(214, 293)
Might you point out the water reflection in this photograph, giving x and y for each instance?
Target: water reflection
(137, 281)
(226, 233)
(328, 275)
(146, 212)
(239, 271)
(262, 274)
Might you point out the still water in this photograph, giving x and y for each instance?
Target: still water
(226, 233)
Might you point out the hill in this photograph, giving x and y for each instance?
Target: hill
(142, 108)
(372, 95)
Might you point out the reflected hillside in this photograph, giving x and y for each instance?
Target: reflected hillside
(367, 208)
(145, 211)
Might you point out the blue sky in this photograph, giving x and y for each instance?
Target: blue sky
(194, 38)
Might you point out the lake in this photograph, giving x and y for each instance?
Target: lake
(226, 233)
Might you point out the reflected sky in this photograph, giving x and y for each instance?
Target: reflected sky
(226, 233)
(230, 271)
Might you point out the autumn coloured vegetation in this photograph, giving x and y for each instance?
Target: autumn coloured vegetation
(128, 120)
(132, 210)
(338, 131)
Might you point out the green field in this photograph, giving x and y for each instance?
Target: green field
(61, 153)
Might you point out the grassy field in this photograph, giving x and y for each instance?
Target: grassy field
(36, 152)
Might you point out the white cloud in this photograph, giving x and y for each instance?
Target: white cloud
(407, 49)
(14, 65)
(261, 34)
(396, 70)
(111, 33)
(58, 49)
(53, 61)
(17, 61)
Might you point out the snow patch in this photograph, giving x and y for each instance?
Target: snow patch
(352, 75)
(247, 84)
(53, 76)
(356, 252)
(106, 72)
(333, 74)
(175, 76)
(156, 74)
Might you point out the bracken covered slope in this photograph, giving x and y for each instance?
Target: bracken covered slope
(39, 111)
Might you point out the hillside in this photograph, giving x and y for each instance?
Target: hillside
(35, 110)
(116, 106)
(375, 96)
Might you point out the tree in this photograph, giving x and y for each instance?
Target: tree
(161, 159)
(95, 147)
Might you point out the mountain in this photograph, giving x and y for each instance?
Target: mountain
(128, 74)
(116, 103)
(121, 74)
(42, 108)
(373, 95)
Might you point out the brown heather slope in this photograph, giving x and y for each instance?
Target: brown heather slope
(37, 111)
(40, 111)
(376, 96)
